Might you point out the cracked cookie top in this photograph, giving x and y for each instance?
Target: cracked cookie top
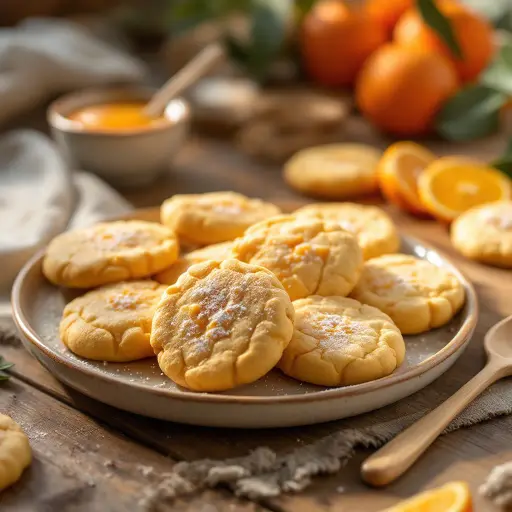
(112, 323)
(372, 227)
(416, 294)
(221, 325)
(339, 341)
(108, 253)
(214, 217)
(310, 256)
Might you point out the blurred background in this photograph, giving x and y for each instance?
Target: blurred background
(284, 53)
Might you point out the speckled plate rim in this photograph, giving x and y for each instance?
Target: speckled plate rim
(457, 343)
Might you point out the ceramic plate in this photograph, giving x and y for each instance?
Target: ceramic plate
(273, 401)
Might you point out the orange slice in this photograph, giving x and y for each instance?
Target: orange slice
(452, 497)
(398, 171)
(451, 185)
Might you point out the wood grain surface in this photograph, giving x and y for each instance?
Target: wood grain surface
(56, 417)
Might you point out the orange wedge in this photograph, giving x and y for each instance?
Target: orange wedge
(398, 171)
(451, 185)
(452, 497)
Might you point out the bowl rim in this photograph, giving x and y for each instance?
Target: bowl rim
(58, 120)
(458, 341)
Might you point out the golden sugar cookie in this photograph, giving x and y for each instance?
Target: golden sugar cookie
(334, 171)
(416, 294)
(309, 256)
(112, 323)
(15, 452)
(221, 325)
(339, 342)
(373, 227)
(218, 252)
(484, 233)
(108, 253)
(215, 217)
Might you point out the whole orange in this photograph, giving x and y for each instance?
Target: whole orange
(473, 33)
(400, 89)
(336, 40)
(388, 12)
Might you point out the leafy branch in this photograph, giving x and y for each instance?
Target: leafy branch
(4, 365)
(269, 22)
(438, 22)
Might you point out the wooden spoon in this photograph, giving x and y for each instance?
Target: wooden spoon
(184, 78)
(397, 456)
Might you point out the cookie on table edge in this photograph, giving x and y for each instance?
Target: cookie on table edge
(15, 451)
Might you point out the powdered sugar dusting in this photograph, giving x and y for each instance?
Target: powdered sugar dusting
(223, 208)
(227, 209)
(303, 253)
(347, 225)
(335, 332)
(217, 312)
(384, 281)
(116, 237)
(501, 218)
(123, 301)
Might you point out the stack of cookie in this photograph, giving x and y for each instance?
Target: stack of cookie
(251, 289)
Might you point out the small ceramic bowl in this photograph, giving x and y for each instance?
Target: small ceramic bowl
(128, 157)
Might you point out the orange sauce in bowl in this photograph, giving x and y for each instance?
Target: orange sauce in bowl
(115, 117)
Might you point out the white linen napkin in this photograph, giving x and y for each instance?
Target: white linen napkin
(39, 198)
(43, 57)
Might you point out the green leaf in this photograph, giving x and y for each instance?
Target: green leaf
(498, 75)
(4, 365)
(504, 162)
(505, 23)
(237, 50)
(185, 14)
(472, 113)
(269, 25)
(436, 20)
(304, 6)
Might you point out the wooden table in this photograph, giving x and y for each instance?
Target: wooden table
(92, 457)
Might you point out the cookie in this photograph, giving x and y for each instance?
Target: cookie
(416, 294)
(339, 342)
(215, 217)
(374, 229)
(112, 323)
(15, 451)
(218, 252)
(309, 256)
(109, 253)
(221, 325)
(334, 171)
(484, 233)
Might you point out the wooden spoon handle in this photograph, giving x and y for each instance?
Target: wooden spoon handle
(397, 456)
(184, 78)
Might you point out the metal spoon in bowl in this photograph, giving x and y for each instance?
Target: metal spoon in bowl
(184, 78)
(397, 456)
